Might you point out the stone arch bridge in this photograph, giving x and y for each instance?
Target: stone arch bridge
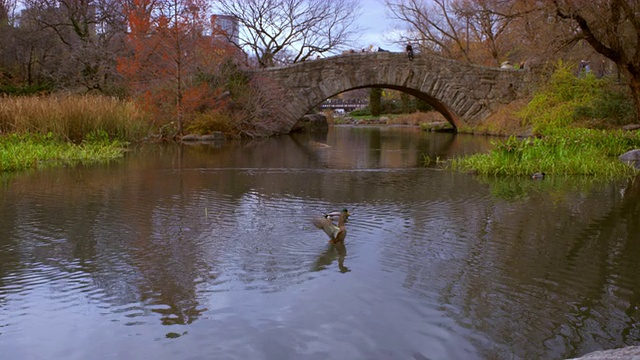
(464, 94)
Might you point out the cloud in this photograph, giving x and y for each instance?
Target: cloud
(377, 29)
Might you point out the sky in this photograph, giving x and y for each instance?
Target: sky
(376, 25)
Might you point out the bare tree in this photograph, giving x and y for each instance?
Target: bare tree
(290, 31)
(492, 23)
(88, 31)
(479, 31)
(6, 35)
(36, 53)
(434, 25)
(7, 8)
(612, 28)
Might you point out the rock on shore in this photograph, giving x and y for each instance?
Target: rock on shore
(626, 353)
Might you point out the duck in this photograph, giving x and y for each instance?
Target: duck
(538, 176)
(336, 214)
(336, 233)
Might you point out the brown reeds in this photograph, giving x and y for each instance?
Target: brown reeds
(72, 117)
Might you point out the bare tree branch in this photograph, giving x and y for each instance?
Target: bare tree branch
(87, 29)
(479, 31)
(289, 31)
(7, 9)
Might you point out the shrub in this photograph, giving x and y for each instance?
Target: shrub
(210, 121)
(567, 99)
(612, 107)
(361, 112)
(423, 106)
(12, 90)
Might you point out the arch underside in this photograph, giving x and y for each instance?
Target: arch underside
(438, 105)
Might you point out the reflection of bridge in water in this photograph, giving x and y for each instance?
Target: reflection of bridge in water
(463, 93)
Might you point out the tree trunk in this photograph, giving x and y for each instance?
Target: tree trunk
(634, 85)
(375, 101)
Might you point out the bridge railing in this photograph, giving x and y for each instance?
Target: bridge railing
(346, 105)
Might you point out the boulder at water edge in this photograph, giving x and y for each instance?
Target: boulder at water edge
(631, 157)
(311, 123)
(626, 353)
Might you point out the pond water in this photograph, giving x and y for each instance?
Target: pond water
(208, 252)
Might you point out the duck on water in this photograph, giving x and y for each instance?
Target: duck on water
(336, 233)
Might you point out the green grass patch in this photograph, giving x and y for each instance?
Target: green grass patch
(561, 152)
(21, 152)
(361, 112)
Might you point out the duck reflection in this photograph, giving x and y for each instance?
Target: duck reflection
(332, 252)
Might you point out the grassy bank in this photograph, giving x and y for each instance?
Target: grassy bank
(21, 152)
(64, 129)
(575, 122)
(417, 118)
(563, 152)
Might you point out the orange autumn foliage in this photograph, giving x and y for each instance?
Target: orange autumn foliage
(166, 55)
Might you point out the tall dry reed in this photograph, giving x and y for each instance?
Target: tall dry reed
(72, 117)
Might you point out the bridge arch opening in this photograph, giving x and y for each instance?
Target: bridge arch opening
(436, 104)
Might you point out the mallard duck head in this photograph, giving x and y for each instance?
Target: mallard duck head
(335, 214)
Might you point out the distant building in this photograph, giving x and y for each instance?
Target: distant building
(226, 26)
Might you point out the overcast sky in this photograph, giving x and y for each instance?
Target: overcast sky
(376, 26)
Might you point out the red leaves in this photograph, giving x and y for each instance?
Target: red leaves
(168, 47)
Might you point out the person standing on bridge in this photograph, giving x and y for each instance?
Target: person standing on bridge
(410, 51)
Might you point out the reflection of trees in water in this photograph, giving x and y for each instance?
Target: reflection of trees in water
(613, 235)
(556, 260)
(168, 266)
(131, 240)
(10, 259)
